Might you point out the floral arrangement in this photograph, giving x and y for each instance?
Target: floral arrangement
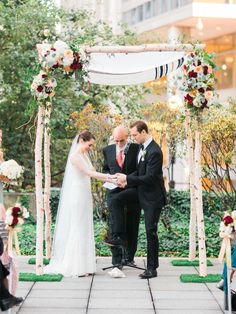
(15, 216)
(43, 86)
(60, 55)
(198, 80)
(52, 57)
(10, 171)
(228, 225)
(143, 153)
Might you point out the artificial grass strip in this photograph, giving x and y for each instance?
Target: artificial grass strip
(185, 262)
(32, 261)
(34, 277)
(197, 279)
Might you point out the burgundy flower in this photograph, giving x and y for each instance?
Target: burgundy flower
(44, 75)
(205, 69)
(76, 65)
(53, 49)
(189, 99)
(192, 74)
(14, 221)
(40, 88)
(228, 220)
(201, 90)
(192, 54)
(15, 211)
(185, 67)
(55, 66)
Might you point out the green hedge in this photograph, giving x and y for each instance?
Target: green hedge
(173, 240)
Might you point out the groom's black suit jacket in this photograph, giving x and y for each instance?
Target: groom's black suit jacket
(148, 178)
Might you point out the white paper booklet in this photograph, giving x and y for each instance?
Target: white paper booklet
(109, 185)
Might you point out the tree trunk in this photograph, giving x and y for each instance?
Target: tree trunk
(39, 191)
(193, 214)
(47, 174)
(199, 206)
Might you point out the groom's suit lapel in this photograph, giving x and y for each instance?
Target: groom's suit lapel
(142, 163)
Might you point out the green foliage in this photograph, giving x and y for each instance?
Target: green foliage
(27, 239)
(219, 151)
(54, 201)
(174, 240)
(23, 25)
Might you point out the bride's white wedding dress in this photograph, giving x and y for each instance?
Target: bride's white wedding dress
(73, 245)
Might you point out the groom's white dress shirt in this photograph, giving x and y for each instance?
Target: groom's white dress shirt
(145, 145)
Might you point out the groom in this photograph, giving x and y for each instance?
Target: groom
(151, 190)
(121, 157)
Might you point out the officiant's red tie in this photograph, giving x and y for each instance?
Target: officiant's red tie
(120, 159)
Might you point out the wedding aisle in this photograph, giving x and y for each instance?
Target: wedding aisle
(102, 294)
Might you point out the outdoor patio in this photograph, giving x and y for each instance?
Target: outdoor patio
(102, 294)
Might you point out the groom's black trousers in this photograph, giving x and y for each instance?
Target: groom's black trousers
(124, 219)
(151, 219)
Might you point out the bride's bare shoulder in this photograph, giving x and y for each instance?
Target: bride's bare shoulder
(75, 157)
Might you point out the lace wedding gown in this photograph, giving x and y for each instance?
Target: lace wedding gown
(73, 244)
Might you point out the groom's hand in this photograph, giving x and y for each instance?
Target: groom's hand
(121, 180)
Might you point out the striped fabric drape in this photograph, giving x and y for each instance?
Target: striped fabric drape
(132, 68)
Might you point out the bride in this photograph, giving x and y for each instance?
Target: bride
(73, 244)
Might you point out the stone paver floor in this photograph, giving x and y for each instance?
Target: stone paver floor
(101, 294)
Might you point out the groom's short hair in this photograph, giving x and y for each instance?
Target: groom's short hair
(140, 126)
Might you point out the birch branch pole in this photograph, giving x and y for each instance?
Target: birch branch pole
(198, 201)
(142, 48)
(39, 190)
(193, 214)
(47, 184)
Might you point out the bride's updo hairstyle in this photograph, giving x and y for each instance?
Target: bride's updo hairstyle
(85, 136)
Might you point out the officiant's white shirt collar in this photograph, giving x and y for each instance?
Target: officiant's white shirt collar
(147, 142)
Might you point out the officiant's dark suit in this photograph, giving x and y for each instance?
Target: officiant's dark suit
(127, 223)
(151, 190)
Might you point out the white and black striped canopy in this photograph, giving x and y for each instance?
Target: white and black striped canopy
(132, 68)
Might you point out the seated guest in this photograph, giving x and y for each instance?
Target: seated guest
(7, 300)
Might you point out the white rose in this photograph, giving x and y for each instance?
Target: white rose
(25, 213)
(20, 221)
(9, 220)
(61, 46)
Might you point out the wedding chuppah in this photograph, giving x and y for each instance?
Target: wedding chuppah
(122, 65)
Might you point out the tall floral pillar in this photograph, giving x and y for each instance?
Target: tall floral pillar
(198, 86)
(57, 57)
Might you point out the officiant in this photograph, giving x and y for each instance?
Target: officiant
(121, 157)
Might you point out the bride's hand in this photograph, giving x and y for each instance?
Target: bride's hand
(112, 178)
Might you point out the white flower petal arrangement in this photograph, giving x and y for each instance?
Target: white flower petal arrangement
(228, 225)
(143, 153)
(15, 216)
(11, 170)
